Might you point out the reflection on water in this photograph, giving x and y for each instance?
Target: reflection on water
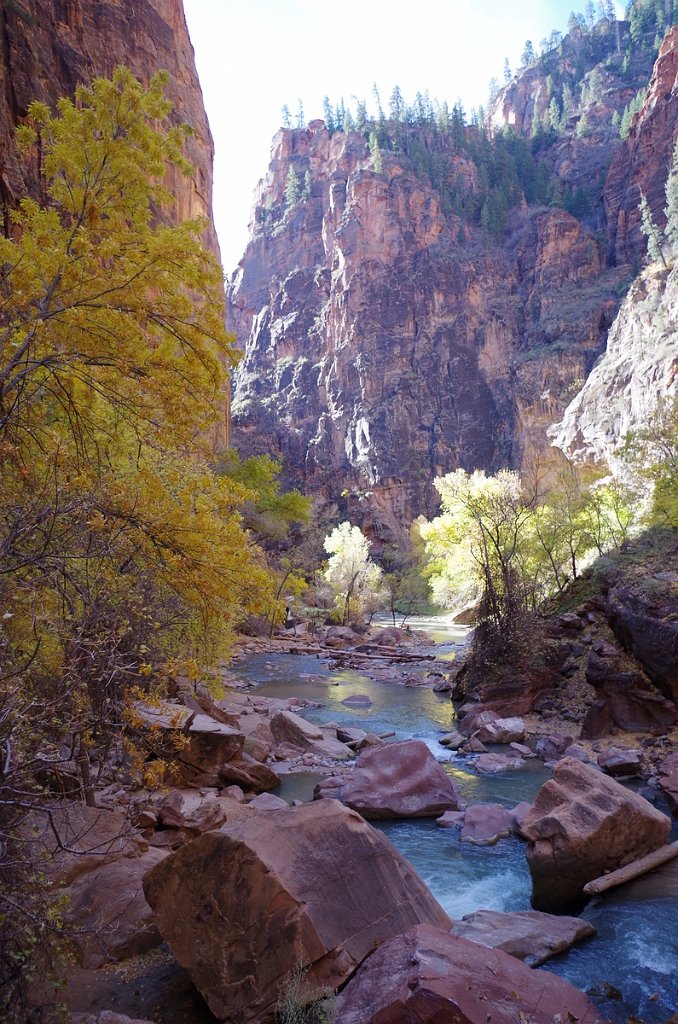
(636, 949)
(414, 711)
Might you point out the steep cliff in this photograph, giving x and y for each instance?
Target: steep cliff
(640, 165)
(48, 47)
(640, 363)
(423, 301)
(639, 367)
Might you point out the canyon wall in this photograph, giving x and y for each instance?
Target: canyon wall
(388, 337)
(48, 47)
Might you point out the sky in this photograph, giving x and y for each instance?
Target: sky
(254, 56)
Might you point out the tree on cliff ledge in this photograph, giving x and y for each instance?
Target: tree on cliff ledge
(123, 558)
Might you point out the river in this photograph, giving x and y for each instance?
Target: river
(629, 969)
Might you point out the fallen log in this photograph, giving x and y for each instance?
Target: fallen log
(633, 870)
(394, 656)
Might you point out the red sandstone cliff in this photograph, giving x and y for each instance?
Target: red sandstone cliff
(642, 163)
(387, 342)
(47, 47)
(388, 338)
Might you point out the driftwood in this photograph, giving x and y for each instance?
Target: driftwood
(633, 870)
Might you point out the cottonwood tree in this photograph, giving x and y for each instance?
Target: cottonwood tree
(652, 452)
(483, 526)
(356, 581)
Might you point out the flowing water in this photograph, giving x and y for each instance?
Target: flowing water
(630, 968)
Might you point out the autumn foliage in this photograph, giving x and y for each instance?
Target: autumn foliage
(123, 558)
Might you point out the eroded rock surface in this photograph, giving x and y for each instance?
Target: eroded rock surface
(432, 977)
(581, 825)
(528, 935)
(240, 908)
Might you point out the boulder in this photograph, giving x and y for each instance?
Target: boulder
(350, 736)
(486, 824)
(490, 764)
(474, 718)
(292, 730)
(428, 976)
(316, 884)
(502, 730)
(518, 815)
(453, 740)
(581, 825)
(98, 860)
(107, 911)
(248, 773)
(196, 745)
(472, 746)
(451, 819)
(528, 935)
(268, 802)
(190, 810)
(357, 700)
(522, 750)
(620, 762)
(396, 780)
(551, 747)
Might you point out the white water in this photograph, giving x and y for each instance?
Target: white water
(636, 949)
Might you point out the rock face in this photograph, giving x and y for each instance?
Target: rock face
(581, 825)
(396, 780)
(639, 367)
(431, 977)
(386, 342)
(240, 908)
(51, 46)
(640, 164)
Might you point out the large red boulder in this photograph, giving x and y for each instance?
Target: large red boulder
(583, 824)
(396, 780)
(314, 885)
(428, 976)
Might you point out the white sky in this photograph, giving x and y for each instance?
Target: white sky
(253, 56)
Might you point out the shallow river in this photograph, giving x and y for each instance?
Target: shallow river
(629, 969)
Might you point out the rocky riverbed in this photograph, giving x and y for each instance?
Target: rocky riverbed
(342, 711)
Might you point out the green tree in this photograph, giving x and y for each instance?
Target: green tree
(671, 209)
(651, 232)
(482, 527)
(652, 451)
(267, 510)
(375, 152)
(328, 115)
(528, 56)
(292, 188)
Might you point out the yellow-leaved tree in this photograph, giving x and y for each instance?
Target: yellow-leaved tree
(123, 558)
